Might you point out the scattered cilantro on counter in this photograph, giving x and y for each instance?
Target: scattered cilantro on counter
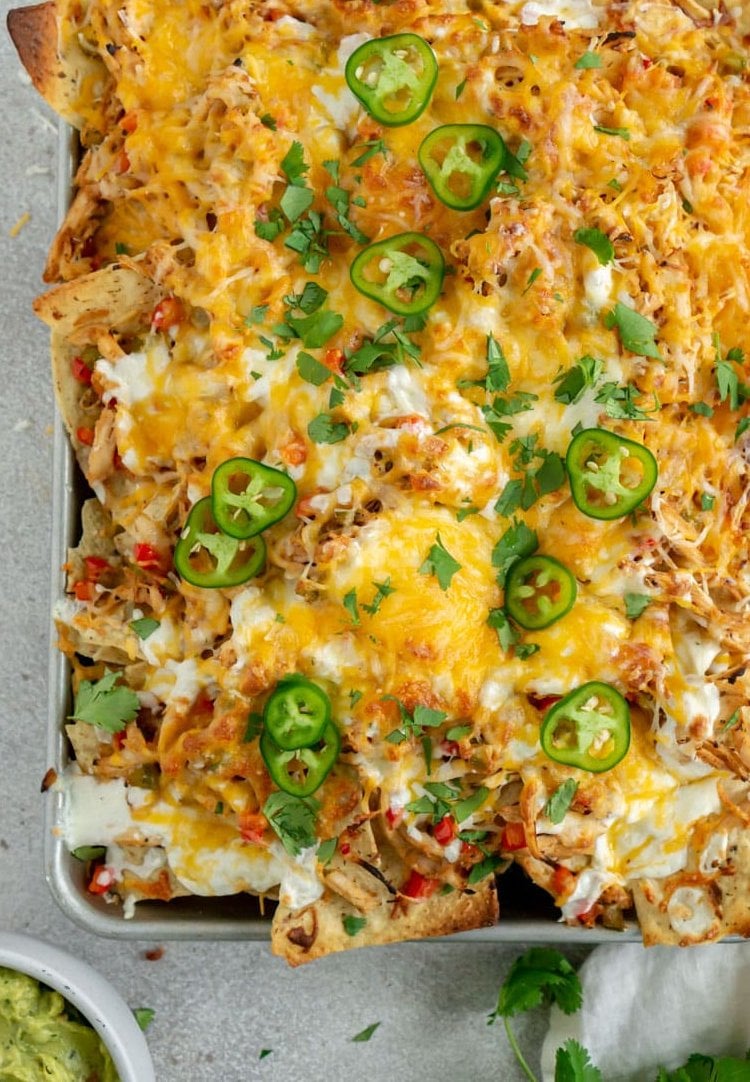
(365, 1034)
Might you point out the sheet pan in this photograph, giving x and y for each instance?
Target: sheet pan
(527, 916)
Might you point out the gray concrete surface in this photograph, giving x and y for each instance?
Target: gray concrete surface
(217, 1004)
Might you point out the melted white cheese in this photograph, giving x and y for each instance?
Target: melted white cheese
(574, 13)
(690, 912)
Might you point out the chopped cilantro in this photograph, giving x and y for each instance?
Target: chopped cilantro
(372, 147)
(316, 329)
(572, 383)
(702, 409)
(531, 279)
(464, 512)
(105, 703)
(460, 89)
(268, 122)
(351, 606)
(620, 402)
(588, 60)
(458, 732)
(311, 370)
(253, 728)
(144, 1016)
(353, 925)
(598, 242)
(623, 133)
(257, 315)
(295, 201)
(326, 849)
(636, 332)
(293, 164)
(323, 429)
(383, 590)
(365, 1034)
(292, 818)
(517, 541)
(440, 563)
(636, 604)
(707, 501)
(144, 627)
(559, 803)
(265, 1052)
(484, 868)
(88, 852)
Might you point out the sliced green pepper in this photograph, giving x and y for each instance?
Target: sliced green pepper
(588, 729)
(538, 591)
(609, 475)
(300, 771)
(461, 161)
(297, 713)
(248, 497)
(404, 273)
(393, 77)
(204, 556)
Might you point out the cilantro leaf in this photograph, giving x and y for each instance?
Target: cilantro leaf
(372, 147)
(253, 728)
(353, 925)
(144, 627)
(144, 1016)
(268, 122)
(351, 606)
(316, 329)
(383, 590)
(635, 604)
(309, 300)
(636, 332)
(427, 718)
(105, 703)
(558, 804)
(541, 975)
(323, 429)
(598, 242)
(517, 541)
(440, 563)
(270, 228)
(459, 89)
(588, 60)
(510, 498)
(293, 164)
(326, 849)
(623, 133)
(700, 1068)
(572, 383)
(366, 1034)
(498, 373)
(257, 315)
(573, 1064)
(620, 402)
(312, 370)
(506, 633)
(88, 852)
(295, 201)
(462, 809)
(265, 1052)
(484, 868)
(536, 273)
(292, 818)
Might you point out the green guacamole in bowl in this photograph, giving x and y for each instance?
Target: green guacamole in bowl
(43, 1038)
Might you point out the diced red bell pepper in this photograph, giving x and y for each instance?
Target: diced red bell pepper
(419, 887)
(85, 436)
(168, 313)
(80, 370)
(445, 831)
(513, 837)
(149, 558)
(83, 590)
(393, 816)
(102, 880)
(563, 881)
(95, 567)
(252, 826)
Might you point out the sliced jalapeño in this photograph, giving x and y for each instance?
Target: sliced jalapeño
(461, 161)
(609, 475)
(296, 713)
(393, 77)
(247, 497)
(204, 556)
(538, 591)
(588, 729)
(404, 273)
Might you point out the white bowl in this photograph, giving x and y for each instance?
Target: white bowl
(91, 994)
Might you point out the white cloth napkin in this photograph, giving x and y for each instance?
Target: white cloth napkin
(643, 1009)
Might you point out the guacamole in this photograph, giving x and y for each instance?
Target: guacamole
(39, 1042)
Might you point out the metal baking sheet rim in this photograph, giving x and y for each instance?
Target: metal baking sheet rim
(178, 920)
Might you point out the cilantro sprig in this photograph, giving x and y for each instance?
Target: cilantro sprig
(292, 818)
(105, 703)
(440, 563)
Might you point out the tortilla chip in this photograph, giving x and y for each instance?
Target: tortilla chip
(694, 906)
(115, 299)
(56, 71)
(319, 929)
(363, 885)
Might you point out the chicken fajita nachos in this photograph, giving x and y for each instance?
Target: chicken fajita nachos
(402, 346)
